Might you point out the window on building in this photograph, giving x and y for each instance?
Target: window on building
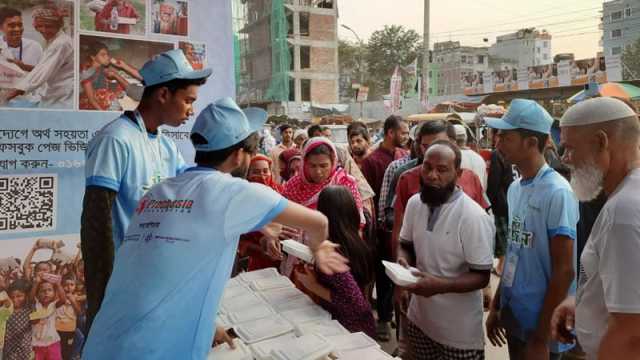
(616, 34)
(545, 56)
(627, 11)
(616, 15)
(289, 23)
(480, 59)
(545, 44)
(305, 88)
(463, 59)
(617, 50)
(325, 4)
(538, 50)
(292, 89)
(305, 57)
(304, 24)
(292, 65)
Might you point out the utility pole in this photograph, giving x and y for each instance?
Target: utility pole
(425, 61)
(360, 65)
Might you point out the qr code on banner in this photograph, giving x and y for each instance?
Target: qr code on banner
(28, 202)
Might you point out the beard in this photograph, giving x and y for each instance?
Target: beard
(586, 181)
(240, 172)
(358, 151)
(434, 196)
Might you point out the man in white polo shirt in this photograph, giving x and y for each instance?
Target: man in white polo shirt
(601, 138)
(171, 269)
(451, 237)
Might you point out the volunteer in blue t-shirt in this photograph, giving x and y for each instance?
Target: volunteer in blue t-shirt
(543, 213)
(126, 158)
(171, 269)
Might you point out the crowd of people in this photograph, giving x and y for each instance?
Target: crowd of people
(160, 240)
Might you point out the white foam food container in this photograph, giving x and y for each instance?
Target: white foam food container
(230, 293)
(241, 302)
(250, 314)
(262, 329)
(271, 283)
(350, 342)
(222, 320)
(399, 274)
(262, 349)
(281, 295)
(306, 314)
(224, 352)
(323, 327)
(365, 354)
(250, 276)
(297, 249)
(297, 303)
(307, 347)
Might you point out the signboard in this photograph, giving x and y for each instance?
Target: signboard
(73, 85)
(363, 94)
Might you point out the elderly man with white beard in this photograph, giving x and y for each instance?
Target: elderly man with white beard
(601, 139)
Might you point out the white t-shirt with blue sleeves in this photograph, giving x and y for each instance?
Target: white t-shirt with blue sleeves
(170, 272)
(539, 209)
(124, 158)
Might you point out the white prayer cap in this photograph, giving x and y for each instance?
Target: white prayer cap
(596, 110)
(460, 130)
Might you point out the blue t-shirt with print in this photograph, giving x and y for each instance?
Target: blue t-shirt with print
(170, 272)
(539, 209)
(124, 158)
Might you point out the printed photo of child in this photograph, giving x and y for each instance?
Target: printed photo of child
(196, 53)
(109, 79)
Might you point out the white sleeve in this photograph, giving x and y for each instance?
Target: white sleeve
(619, 254)
(477, 233)
(406, 232)
(52, 60)
(252, 207)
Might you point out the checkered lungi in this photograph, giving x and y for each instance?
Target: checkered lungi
(423, 348)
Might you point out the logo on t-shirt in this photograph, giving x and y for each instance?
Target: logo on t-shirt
(518, 236)
(165, 205)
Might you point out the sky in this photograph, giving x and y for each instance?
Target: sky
(573, 24)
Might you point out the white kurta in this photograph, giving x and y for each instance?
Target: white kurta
(55, 70)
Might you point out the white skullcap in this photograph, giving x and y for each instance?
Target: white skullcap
(460, 130)
(596, 110)
(414, 132)
(299, 132)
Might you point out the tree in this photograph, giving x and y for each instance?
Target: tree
(631, 62)
(352, 64)
(391, 46)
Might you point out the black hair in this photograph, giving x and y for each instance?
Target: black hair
(217, 157)
(19, 285)
(94, 48)
(313, 129)
(359, 132)
(541, 137)
(451, 132)
(338, 205)
(69, 277)
(173, 86)
(322, 149)
(8, 12)
(392, 123)
(356, 125)
(284, 128)
(456, 150)
(431, 128)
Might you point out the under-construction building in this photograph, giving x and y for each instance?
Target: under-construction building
(286, 54)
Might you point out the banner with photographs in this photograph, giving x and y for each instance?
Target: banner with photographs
(564, 73)
(59, 85)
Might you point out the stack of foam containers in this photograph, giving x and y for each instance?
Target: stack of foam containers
(275, 321)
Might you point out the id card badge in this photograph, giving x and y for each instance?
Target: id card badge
(509, 272)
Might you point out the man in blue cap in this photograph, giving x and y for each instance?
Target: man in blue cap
(177, 255)
(543, 214)
(126, 158)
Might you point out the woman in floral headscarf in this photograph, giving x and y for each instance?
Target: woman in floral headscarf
(250, 244)
(290, 164)
(319, 170)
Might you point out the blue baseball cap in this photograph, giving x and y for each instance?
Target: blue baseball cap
(523, 114)
(223, 124)
(170, 65)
